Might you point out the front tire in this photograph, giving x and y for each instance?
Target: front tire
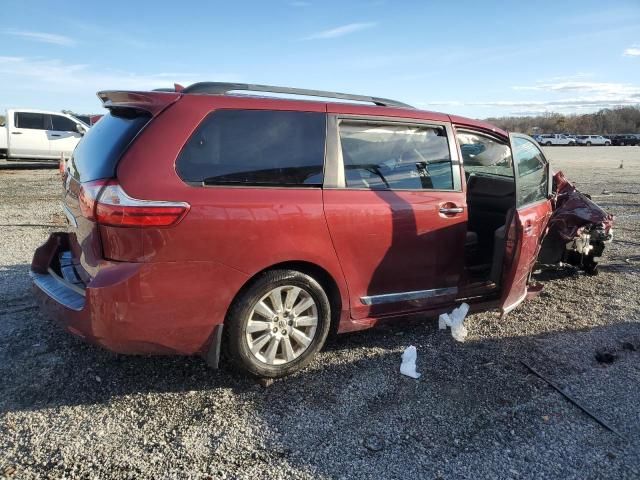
(277, 325)
(548, 144)
(588, 144)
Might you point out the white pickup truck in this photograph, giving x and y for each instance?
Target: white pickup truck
(39, 135)
(555, 139)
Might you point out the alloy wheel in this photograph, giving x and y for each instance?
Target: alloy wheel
(282, 325)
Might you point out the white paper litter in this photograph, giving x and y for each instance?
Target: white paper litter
(455, 320)
(408, 365)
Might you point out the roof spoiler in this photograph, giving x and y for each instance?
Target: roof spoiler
(152, 102)
(176, 88)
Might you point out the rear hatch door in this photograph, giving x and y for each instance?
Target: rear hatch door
(95, 160)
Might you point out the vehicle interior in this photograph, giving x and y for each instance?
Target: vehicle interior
(491, 198)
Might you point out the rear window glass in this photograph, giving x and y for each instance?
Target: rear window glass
(97, 154)
(256, 147)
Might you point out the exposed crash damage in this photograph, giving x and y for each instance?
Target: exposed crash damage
(578, 229)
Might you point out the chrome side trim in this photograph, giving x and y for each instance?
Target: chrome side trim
(408, 296)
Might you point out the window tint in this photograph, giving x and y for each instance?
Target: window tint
(34, 121)
(256, 147)
(378, 156)
(63, 124)
(97, 155)
(482, 154)
(533, 180)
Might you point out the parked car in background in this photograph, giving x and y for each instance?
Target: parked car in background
(549, 139)
(39, 134)
(197, 212)
(624, 139)
(589, 140)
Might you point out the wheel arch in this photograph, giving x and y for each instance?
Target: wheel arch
(320, 274)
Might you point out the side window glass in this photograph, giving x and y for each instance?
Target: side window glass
(33, 121)
(63, 124)
(401, 157)
(482, 154)
(533, 173)
(256, 147)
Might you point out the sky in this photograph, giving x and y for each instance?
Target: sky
(473, 58)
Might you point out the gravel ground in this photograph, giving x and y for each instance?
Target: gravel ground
(70, 410)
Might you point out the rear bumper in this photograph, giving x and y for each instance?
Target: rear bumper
(136, 308)
(59, 290)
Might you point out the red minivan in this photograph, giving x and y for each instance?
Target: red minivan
(203, 220)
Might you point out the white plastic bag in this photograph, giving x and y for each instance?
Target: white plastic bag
(455, 320)
(408, 365)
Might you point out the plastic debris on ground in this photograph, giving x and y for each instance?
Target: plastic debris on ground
(455, 320)
(408, 365)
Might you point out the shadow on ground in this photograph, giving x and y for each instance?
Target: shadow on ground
(350, 409)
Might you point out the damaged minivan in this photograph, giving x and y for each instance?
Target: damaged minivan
(204, 220)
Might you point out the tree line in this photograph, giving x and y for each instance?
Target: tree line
(602, 122)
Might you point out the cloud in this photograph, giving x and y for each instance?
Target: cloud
(111, 35)
(46, 77)
(632, 52)
(341, 31)
(43, 37)
(567, 105)
(574, 96)
(598, 88)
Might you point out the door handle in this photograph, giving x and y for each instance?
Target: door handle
(55, 135)
(16, 133)
(451, 210)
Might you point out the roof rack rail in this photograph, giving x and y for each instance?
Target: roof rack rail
(222, 88)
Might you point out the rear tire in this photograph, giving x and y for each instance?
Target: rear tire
(548, 144)
(588, 144)
(607, 144)
(277, 325)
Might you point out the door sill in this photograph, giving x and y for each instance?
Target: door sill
(477, 289)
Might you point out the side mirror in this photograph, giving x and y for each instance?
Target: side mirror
(80, 129)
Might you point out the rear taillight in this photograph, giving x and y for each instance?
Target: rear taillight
(87, 198)
(105, 202)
